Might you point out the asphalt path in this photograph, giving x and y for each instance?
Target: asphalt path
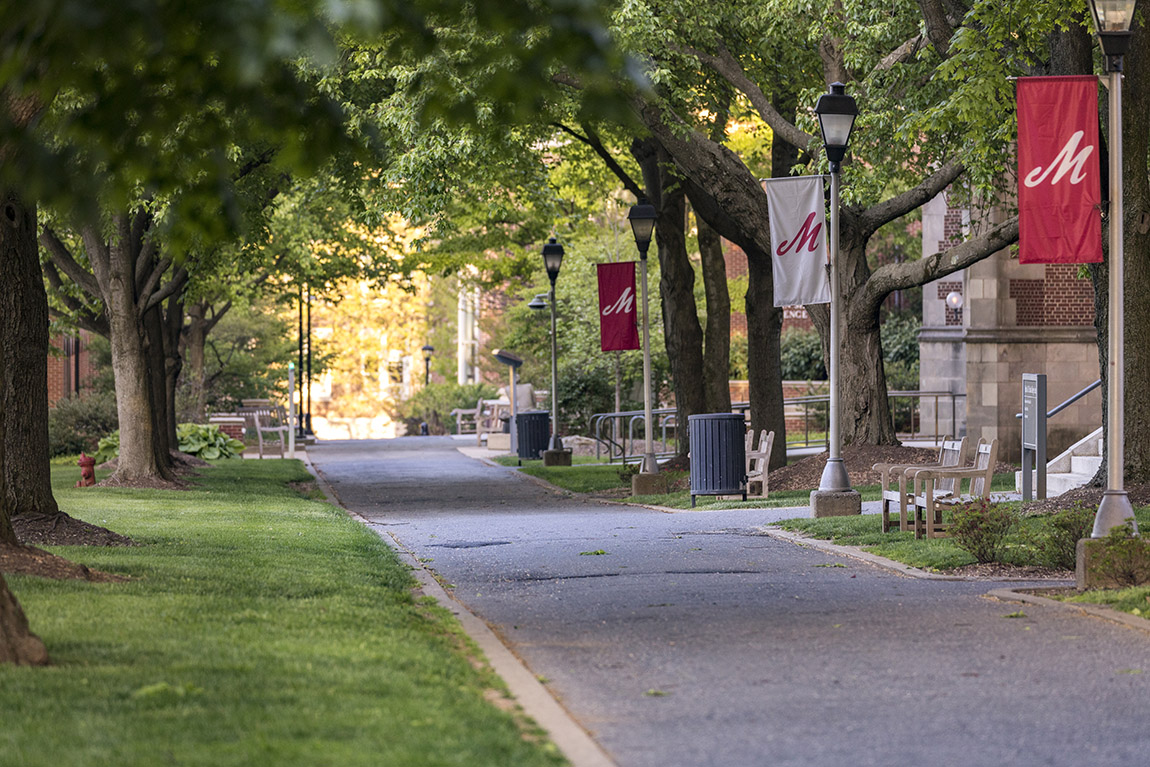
(695, 639)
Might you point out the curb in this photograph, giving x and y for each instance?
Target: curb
(535, 699)
(1096, 611)
(855, 553)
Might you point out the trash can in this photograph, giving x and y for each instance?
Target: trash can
(533, 428)
(718, 454)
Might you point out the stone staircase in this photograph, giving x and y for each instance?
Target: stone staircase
(1073, 468)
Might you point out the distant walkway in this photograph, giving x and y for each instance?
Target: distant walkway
(691, 639)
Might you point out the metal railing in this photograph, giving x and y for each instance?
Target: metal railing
(814, 411)
(1070, 400)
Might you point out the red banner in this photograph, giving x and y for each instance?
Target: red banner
(618, 323)
(1059, 182)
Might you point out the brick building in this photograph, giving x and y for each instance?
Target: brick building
(1013, 319)
(70, 367)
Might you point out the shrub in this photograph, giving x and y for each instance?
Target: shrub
(981, 528)
(202, 441)
(207, 441)
(75, 424)
(1124, 557)
(433, 404)
(801, 356)
(1057, 539)
(108, 447)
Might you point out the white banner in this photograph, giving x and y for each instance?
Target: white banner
(798, 240)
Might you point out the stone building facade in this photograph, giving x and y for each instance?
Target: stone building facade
(1013, 319)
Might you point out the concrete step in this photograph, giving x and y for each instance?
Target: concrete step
(1056, 484)
(1085, 464)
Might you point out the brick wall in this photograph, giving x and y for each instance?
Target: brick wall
(953, 316)
(233, 426)
(1059, 299)
(72, 353)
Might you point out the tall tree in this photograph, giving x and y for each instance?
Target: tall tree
(721, 185)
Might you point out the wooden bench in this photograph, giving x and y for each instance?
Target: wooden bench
(466, 419)
(758, 461)
(267, 420)
(935, 489)
(896, 476)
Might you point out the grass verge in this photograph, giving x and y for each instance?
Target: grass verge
(936, 554)
(259, 628)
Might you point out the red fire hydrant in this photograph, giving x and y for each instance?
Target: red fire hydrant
(87, 471)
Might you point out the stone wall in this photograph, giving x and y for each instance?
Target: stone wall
(1016, 318)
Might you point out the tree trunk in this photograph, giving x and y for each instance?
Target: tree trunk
(24, 345)
(163, 438)
(18, 645)
(864, 408)
(1136, 245)
(173, 361)
(682, 333)
(717, 332)
(116, 275)
(764, 370)
(195, 343)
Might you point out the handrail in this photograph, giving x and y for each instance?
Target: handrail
(619, 448)
(1073, 398)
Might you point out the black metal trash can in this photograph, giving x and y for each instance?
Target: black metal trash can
(718, 454)
(533, 428)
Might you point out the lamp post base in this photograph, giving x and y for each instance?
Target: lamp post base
(835, 478)
(835, 503)
(558, 457)
(1113, 511)
(644, 484)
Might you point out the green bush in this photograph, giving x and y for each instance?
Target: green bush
(801, 356)
(108, 447)
(1056, 541)
(75, 424)
(981, 528)
(206, 441)
(433, 405)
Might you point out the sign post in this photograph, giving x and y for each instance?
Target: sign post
(1033, 434)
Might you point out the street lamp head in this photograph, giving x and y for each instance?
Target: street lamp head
(1112, 19)
(552, 258)
(427, 350)
(509, 358)
(642, 220)
(539, 302)
(954, 300)
(837, 112)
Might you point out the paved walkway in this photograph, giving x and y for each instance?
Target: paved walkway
(694, 639)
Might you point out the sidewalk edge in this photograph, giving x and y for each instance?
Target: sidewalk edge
(536, 700)
(1097, 611)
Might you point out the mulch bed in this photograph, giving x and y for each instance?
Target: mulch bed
(63, 530)
(57, 530)
(805, 473)
(1088, 497)
(28, 560)
(997, 571)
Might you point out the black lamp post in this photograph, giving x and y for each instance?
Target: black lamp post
(1112, 20)
(642, 219)
(552, 261)
(836, 112)
(427, 350)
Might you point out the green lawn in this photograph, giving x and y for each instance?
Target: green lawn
(259, 628)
